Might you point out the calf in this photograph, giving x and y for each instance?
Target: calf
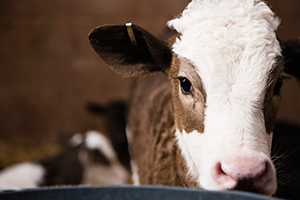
(114, 116)
(205, 116)
(88, 159)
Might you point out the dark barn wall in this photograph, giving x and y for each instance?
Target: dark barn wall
(48, 71)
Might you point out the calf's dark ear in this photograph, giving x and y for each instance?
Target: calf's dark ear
(291, 56)
(130, 50)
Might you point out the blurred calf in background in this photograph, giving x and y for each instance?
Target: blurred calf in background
(92, 158)
(114, 116)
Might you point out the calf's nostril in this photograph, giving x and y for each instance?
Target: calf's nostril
(223, 178)
(219, 170)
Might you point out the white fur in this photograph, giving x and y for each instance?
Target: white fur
(96, 140)
(25, 175)
(129, 135)
(233, 46)
(76, 139)
(135, 173)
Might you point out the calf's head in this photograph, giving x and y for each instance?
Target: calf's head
(225, 69)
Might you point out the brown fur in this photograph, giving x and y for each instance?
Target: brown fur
(189, 109)
(152, 123)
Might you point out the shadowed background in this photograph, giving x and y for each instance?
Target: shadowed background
(49, 72)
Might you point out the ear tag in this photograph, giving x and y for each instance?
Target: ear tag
(131, 33)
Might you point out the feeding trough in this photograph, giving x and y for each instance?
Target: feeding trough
(125, 193)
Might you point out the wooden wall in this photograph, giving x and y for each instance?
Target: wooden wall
(49, 72)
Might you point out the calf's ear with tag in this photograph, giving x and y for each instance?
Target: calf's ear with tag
(130, 50)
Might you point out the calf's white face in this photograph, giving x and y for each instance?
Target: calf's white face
(225, 72)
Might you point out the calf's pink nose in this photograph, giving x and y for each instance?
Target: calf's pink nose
(252, 174)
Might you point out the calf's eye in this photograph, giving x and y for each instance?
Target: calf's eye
(186, 86)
